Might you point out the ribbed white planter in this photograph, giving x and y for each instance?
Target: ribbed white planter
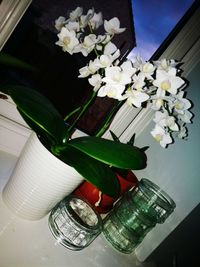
(38, 182)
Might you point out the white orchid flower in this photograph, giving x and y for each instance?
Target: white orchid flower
(182, 132)
(60, 22)
(85, 19)
(116, 76)
(163, 119)
(115, 56)
(75, 14)
(111, 90)
(161, 136)
(105, 61)
(112, 26)
(92, 67)
(138, 62)
(138, 81)
(88, 44)
(181, 104)
(90, 13)
(157, 104)
(160, 98)
(95, 81)
(157, 101)
(110, 48)
(147, 69)
(165, 64)
(99, 44)
(67, 40)
(168, 81)
(128, 68)
(73, 25)
(105, 38)
(83, 22)
(84, 72)
(186, 116)
(135, 97)
(96, 21)
(99, 47)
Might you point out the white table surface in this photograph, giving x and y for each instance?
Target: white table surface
(26, 243)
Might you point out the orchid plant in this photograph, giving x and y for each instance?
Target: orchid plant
(157, 83)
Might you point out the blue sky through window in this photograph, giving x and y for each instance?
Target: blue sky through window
(153, 21)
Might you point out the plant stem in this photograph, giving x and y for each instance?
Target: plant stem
(108, 120)
(82, 111)
(71, 113)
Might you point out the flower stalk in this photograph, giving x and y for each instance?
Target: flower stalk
(108, 119)
(81, 111)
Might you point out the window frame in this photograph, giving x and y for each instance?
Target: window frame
(11, 12)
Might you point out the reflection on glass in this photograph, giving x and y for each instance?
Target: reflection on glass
(74, 223)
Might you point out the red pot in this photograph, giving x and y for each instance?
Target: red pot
(101, 202)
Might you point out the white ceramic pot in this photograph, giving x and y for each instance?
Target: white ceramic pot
(38, 182)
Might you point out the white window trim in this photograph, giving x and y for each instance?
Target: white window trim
(11, 12)
(13, 130)
(12, 136)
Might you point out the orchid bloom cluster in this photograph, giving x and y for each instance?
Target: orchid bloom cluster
(76, 34)
(137, 83)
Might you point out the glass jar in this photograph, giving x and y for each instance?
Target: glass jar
(135, 214)
(74, 223)
(151, 199)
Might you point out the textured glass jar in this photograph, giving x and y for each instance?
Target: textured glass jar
(74, 223)
(151, 199)
(135, 214)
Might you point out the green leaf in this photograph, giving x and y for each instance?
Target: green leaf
(46, 139)
(38, 110)
(92, 170)
(10, 61)
(132, 140)
(144, 148)
(113, 153)
(114, 137)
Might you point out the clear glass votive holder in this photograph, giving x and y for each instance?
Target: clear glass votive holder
(135, 214)
(74, 223)
(151, 199)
